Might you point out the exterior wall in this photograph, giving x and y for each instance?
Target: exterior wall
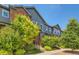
(50, 30)
(21, 11)
(36, 18)
(56, 32)
(3, 19)
(13, 13)
(17, 11)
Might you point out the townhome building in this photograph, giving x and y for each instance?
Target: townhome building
(9, 12)
(4, 15)
(57, 30)
(38, 19)
(45, 28)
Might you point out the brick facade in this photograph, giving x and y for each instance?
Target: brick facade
(17, 11)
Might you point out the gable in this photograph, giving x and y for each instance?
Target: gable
(35, 16)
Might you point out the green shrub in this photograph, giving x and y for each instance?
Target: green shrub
(51, 41)
(70, 36)
(20, 34)
(20, 52)
(10, 39)
(27, 29)
(31, 49)
(70, 40)
(4, 52)
(48, 48)
(34, 51)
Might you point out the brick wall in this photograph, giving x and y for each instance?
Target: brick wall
(17, 11)
(13, 13)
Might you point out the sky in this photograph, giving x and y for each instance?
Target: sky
(57, 13)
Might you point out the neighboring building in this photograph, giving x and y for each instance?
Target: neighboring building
(4, 14)
(17, 10)
(57, 30)
(9, 12)
(38, 19)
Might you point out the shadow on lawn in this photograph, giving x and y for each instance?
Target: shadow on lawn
(72, 52)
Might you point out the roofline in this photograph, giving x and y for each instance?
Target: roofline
(32, 7)
(14, 7)
(57, 25)
(25, 8)
(7, 8)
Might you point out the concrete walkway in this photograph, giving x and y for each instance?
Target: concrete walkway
(60, 52)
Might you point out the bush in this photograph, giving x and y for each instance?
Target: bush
(34, 51)
(31, 49)
(20, 52)
(48, 48)
(4, 52)
(27, 29)
(10, 39)
(18, 35)
(70, 36)
(51, 41)
(70, 40)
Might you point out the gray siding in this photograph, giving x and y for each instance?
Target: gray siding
(50, 30)
(3, 19)
(36, 18)
(56, 32)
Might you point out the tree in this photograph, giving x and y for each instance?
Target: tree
(27, 29)
(10, 40)
(15, 37)
(73, 26)
(70, 38)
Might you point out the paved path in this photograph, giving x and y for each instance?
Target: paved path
(60, 52)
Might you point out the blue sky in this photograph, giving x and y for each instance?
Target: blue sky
(57, 13)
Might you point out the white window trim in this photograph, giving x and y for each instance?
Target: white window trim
(3, 10)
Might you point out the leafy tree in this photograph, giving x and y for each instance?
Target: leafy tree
(27, 29)
(73, 26)
(15, 37)
(10, 40)
(70, 38)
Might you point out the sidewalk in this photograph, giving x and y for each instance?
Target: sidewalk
(60, 52)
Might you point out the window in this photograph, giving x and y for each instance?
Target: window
(46, 28)
(41, 26)
(58, 32)
(50, 30)
(5, 13)
(55, 31)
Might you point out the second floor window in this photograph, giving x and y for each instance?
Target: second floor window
(5, 13)
(50, 30)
